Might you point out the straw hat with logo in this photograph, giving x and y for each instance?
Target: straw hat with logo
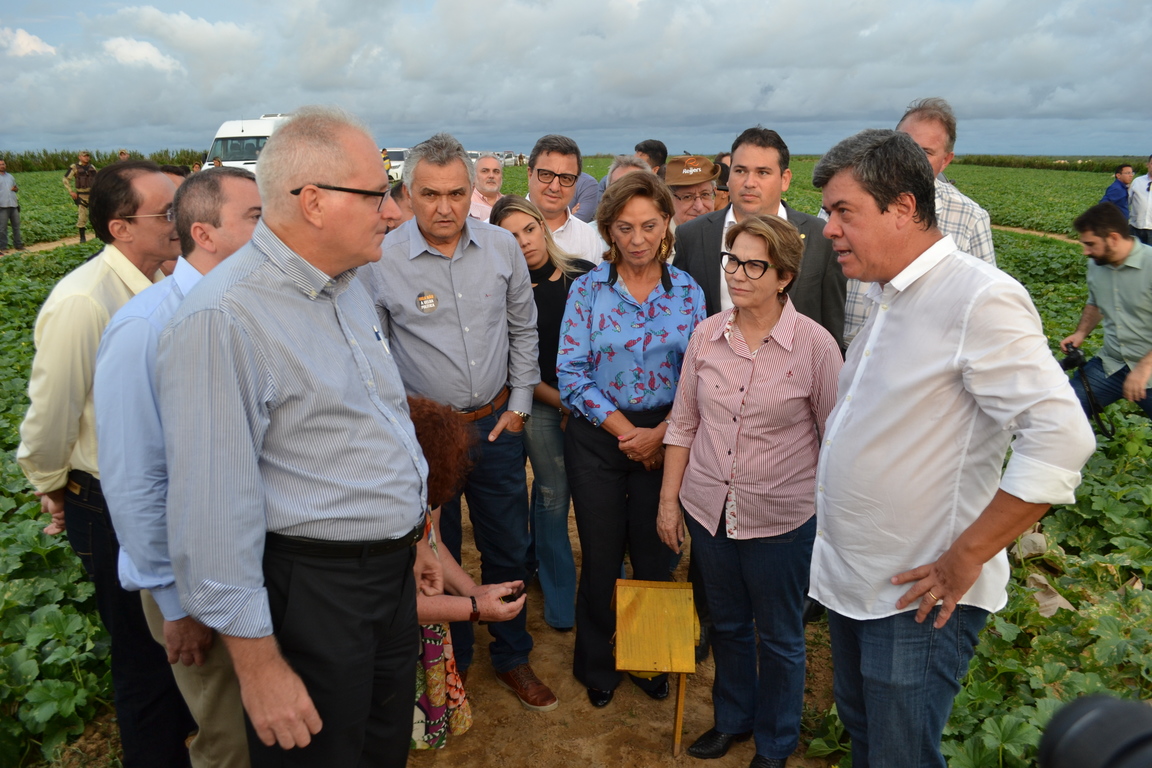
(690, 169)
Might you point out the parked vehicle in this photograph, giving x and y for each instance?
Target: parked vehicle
(396, 155)
(238, 142)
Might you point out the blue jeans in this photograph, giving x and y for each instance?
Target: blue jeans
(757, 586)
(497, 493)
(10, 215)
(552, 548)
(154, 721)
(1106, 389)
(894, 682)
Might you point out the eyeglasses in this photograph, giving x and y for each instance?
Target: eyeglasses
(545, 177)
(366, 192)
(168, 215)
(754, 269)
(705, 196)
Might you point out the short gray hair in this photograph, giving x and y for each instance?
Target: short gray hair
(934, 108)
(441, 149)
(627, 161)
(305, 149)
(886, 164)
(492, 155)
(200, 198)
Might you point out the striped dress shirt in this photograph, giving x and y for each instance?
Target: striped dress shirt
(753, 422)
(957, 215)
(283, 411)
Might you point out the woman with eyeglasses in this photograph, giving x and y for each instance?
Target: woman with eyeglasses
(758, 383)
(625, 329)
(552, 272)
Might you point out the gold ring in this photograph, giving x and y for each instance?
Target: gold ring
(934, 598)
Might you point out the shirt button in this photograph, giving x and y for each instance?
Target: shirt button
(847, 398)
(465, 329)
(741, 389)
(472, 362)
(820, 488)
(733, 418)
(827, 442)
(820, 534)
(729, 453)
(867, 352)
(459, 295)
(884, 307)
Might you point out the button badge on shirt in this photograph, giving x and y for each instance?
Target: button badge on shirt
(426, 302)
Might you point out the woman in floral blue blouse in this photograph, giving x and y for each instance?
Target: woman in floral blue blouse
(623, 337)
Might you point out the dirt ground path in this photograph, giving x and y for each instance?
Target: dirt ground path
(1037, 233)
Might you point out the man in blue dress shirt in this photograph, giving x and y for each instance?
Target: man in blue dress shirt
(1117, 192)
(294, 518)
(215, 213)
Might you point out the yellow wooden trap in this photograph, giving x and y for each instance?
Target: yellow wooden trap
(657, 631)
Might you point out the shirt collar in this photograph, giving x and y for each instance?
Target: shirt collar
(784, 332)
(923, 263)
(417, 245)
(308, 279)
(185, 275)
(730, 215)
(665, 276)
(1138, 256)
(127, 271)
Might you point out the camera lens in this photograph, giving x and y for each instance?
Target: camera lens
(1098, 732)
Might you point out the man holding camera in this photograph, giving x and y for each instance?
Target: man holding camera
(1120, 294)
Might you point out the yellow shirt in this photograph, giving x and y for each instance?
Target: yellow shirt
(59, 430)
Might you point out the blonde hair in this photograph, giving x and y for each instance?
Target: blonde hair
(510, 204)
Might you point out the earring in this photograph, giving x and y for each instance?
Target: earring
(663, 255)
(613, 254)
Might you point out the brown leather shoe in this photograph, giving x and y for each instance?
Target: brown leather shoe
(532, 693)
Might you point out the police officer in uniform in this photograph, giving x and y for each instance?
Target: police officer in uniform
(82, 173)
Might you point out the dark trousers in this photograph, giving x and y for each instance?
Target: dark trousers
(154, 721)
(1143, 235)
(10, 216)
(615, 502)
(348, 627)
(497, 493)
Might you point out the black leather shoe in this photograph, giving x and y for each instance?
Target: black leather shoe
(659, 692)
(714, 744)
(598, 697)
(767, 762)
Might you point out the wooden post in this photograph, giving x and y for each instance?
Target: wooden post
(679, 726)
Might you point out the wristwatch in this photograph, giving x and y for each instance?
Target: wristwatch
(522, 415)
(475, 609)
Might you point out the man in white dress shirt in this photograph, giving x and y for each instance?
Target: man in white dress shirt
(913, 510)
(553, 170)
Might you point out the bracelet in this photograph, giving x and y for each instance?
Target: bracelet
(475, 609)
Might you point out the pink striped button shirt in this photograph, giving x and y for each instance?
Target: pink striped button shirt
(753, 423)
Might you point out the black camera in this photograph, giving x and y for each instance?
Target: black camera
(1073, 360)
(1098, 732)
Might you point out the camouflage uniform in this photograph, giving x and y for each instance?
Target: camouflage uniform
(84, 175)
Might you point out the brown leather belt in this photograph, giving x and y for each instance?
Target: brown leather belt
(486, 410)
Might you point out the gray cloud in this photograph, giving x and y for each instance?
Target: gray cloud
(1042, 76)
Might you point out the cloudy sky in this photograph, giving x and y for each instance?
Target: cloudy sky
(1025, 77)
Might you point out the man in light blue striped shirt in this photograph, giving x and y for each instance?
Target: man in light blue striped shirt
(216, 212)
(300, 488)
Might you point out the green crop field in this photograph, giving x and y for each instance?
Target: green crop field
(1096, 553)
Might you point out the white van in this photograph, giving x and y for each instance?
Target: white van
(238, 142)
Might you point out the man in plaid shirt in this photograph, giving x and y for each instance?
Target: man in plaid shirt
(932, 124)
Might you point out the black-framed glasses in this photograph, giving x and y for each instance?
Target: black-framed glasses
(168, 215)
(705, 196)
(545, 177)
(753, 268)
(382, 195)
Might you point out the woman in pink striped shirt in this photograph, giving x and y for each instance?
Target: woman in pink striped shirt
(757, 385)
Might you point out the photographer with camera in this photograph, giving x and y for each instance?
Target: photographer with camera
(1120, 294)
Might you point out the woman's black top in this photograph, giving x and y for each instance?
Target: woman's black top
(551, 296)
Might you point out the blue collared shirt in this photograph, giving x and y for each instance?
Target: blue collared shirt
(283, 411)
(1117, 194)
(618, 353)
(133, 471)
(461, 327)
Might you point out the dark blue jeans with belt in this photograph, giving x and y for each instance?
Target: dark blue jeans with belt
(497, 493)
(154, 721)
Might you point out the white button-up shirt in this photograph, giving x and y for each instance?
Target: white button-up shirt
(951, 367)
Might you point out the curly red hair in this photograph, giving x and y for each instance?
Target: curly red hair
(447, 443)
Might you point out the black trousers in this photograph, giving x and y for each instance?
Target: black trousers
(348, 627)
(615, 501)
(154, 721)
